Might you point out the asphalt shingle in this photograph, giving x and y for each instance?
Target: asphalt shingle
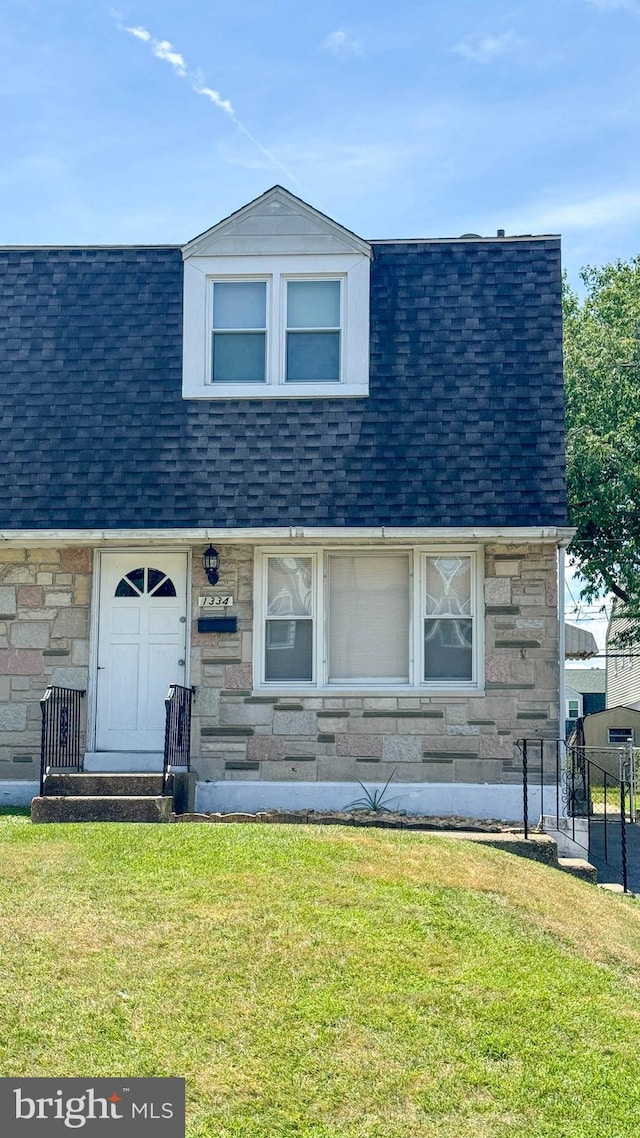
(464, 424)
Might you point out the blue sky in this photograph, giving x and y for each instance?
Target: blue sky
(150, 121)
(414, 119)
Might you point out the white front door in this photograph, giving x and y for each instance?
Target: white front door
(142, 646)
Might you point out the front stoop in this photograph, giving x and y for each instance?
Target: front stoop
(103, 785)
(120, 807)
(579, 868)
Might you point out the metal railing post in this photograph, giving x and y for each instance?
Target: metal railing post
(623, 837)
(525, 789)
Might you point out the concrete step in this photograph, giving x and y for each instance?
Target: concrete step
(579, 868)
(103, 785)
(95, 808)
(123, 762)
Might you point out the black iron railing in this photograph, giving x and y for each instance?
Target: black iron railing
(177, 734)
(583, 793)
(60, 746)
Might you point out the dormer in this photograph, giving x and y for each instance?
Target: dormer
(276, 306)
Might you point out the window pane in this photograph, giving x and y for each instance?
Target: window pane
(369, 618)
(448, 650)
(289, 586)
(620, 734)
(448, 586)
(313, 304)
(288, 650)
(238, 357)
(124, 589)
(239, 304)
(313, 356)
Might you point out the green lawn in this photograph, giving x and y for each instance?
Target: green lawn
(322, 982)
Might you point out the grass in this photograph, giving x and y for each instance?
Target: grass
(320, 982)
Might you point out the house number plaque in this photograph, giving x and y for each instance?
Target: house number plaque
(215, 602)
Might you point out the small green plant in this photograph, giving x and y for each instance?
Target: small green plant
(373, 800)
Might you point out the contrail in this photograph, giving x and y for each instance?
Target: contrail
(164, 50)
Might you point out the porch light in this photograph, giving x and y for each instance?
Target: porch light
(210, 563)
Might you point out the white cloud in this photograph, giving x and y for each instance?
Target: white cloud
(165, 51)
(483, 47)
(341, 44)
(619, 207)
(162, 49)
(615, 5)
(140, 33)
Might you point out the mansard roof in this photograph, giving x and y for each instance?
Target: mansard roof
(463, 425)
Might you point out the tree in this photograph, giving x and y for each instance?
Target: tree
(602, 385)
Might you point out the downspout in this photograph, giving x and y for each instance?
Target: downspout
(561, 642)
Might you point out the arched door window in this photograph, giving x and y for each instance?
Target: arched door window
(152, 582)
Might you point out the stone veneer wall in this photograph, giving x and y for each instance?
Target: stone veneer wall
(427, 737)
(44, 639)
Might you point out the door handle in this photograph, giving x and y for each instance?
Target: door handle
(181, 663)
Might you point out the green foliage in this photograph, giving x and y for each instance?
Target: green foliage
(602, 384)
(374, 801)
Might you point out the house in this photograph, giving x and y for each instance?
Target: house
(584, 694)
(623, 664)
(367, 436)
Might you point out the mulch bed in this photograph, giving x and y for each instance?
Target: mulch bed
(389, 820)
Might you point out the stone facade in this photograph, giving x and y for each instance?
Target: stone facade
(346, 736)
(45, 596)
(342, 736)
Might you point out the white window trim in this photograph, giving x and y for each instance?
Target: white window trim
(320, 683)
(199, 274)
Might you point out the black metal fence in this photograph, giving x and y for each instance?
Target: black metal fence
(584, 794)
(60, 746)
(177, 735)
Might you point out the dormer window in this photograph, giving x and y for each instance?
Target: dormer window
(276, 305)
(238, 348)
(313, 332)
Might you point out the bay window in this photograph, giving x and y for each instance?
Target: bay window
(336, 618)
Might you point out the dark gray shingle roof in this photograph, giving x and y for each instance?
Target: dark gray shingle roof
(463, 426)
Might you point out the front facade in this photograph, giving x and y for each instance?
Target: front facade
(369, 434)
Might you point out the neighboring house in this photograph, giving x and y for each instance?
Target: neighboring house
(369, 434)
(623, 665)
(584, 690)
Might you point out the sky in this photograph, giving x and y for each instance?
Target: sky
(149, 121)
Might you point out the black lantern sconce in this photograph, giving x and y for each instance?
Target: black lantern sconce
(211, 564)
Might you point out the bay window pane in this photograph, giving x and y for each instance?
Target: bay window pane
(239, 304)
(238, 357)
(289, 586)
(288, 650)
(313, 356)
(369, 618)
(448, 652)
(313, 304)
(448, 586)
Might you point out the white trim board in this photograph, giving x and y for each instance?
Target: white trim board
(517, 535)
(18, 791)
(471, 800)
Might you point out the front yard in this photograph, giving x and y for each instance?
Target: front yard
(321, 982)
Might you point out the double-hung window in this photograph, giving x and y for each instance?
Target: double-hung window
(239, 333)
(405, 618)
(313, 331)
(276, 327)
